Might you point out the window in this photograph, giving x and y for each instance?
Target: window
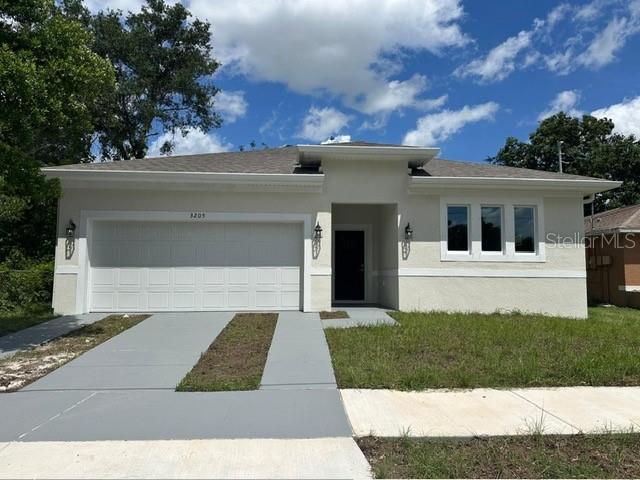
(524, 226)
(458, 228)
(491, 229)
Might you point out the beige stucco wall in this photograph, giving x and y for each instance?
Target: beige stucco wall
(383, 183)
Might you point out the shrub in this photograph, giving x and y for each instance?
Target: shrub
(31, 284)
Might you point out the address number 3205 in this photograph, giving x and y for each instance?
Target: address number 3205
(197, 215)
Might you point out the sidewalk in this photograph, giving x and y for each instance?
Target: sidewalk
(34, 336)
(464, 413)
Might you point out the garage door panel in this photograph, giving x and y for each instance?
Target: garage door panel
(195, 266)
(238, 299)
(213, 276)
(238, 276)
(129, 278)
(158, 300)
(158, 277)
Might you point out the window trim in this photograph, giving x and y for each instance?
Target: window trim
(503, 246)
(536, 245)
(475, 253)
(459, 252)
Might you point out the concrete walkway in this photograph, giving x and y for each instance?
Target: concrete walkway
(34, 336)
(248, 458)
(361, 317)
(463, 413)
(299, 356)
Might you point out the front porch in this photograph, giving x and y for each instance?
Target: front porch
(364, 254)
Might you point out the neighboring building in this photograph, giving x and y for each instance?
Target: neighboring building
(311, 226)
(613, 256)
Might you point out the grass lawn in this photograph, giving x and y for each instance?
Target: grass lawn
(338, 314)
(438, 350)
(235, 360)
(22, 318)
(25, 367)
(538, 456)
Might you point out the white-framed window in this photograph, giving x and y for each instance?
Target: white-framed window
(524, 224)
(492, 229)
(491, 235)
(458, 229)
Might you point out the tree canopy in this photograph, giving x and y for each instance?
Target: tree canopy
(163, 66)
(589, 146)
(50, 83)
(74, 85)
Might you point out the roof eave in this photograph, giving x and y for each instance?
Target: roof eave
(76, 178)
(422, 184)
(414, 156)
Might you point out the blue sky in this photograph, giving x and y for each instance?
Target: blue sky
(459, 75)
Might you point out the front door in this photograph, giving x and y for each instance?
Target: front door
(349, 265)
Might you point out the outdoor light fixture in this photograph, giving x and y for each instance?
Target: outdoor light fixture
(317, 231)
(408, 232)
(71, 229)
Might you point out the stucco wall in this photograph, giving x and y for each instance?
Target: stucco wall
(383, 183)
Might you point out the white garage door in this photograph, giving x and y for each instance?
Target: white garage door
(195, 266)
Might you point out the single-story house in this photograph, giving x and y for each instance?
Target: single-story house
(312, 226)
(613, 256)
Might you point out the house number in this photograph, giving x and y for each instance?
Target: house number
(197, 215)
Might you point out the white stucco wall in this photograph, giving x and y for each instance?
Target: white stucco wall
(404, 275)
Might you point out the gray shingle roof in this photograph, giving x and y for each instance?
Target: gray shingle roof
(284, 160)
(272, 160)
(624, 218)
(452, 168)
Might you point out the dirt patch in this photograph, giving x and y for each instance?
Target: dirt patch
(338, 314)
(536, 456)
(236, 358)
(23, 368)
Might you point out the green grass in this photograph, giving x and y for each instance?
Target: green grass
(22, 318)
(438, 350)
(538, 456)
(236, 358)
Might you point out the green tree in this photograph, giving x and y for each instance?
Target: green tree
(163, 67)
(50, 84)
(589, 148)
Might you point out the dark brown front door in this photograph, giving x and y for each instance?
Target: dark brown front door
(349, 265)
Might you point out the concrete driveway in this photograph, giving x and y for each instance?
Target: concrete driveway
(155, 354)
(113, 411)
(124, 390)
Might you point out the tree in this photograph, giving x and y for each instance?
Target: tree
(589, 148)
(163, 66)
(50, 83)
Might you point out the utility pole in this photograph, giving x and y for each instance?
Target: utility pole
(560, 156)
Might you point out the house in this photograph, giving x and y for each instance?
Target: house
(613, 256)
(312, 226)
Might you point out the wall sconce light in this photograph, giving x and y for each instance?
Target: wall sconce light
(408, 232)
(317, 232)
(71, 230)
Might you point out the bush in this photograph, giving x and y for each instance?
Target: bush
(31, 284)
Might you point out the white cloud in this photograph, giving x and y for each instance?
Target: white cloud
(231, 105)
(337, 139)
(603, 48)
(196, 141)
(566, 102)
(437, 127)
(320, 123)
(348, 49)
(561, 42)
(625, 116)
(499, 62)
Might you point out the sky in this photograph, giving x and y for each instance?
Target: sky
(458, 75)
